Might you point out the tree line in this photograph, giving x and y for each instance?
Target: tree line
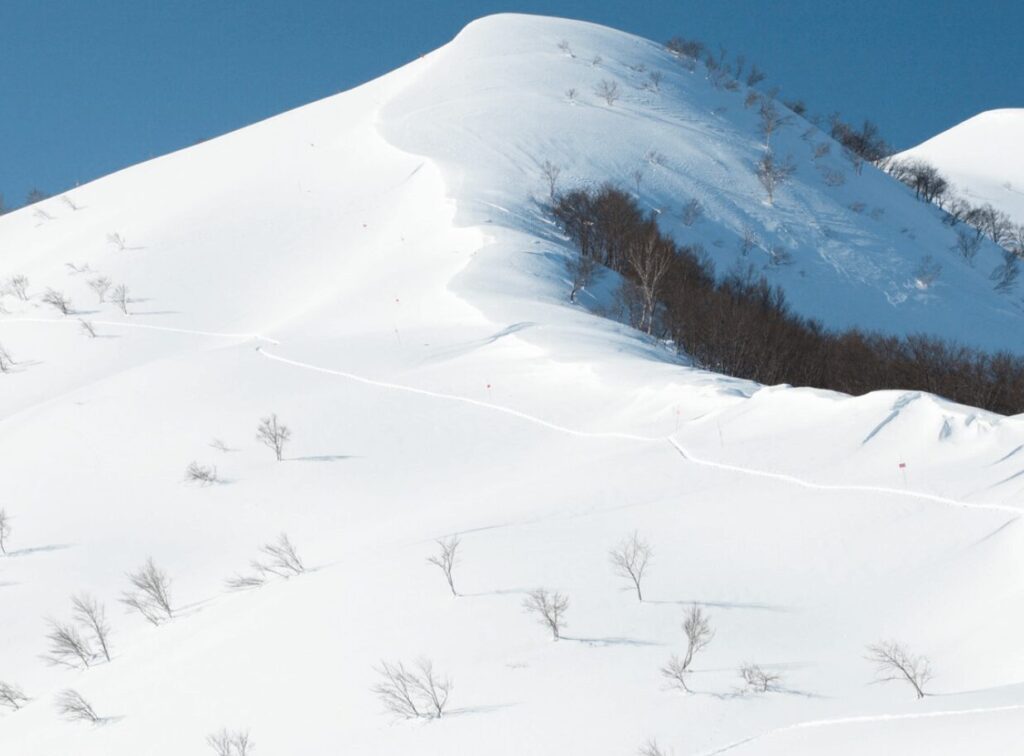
(741, 325)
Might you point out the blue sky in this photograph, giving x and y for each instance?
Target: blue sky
(90, 86)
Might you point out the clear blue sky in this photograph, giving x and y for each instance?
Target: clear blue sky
(90, 86)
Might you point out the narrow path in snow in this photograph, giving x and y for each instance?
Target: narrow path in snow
(688, 456)
(816, 723)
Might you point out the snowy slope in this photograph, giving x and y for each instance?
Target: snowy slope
(374, 269)
(982, 158)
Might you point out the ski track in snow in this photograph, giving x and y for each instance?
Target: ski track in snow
(816, 723)
(686, 455)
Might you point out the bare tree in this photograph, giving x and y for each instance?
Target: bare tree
(67, 646)
(755, 76)
(655, 79)
(12, 696)
(581, 269)
(629, 560)
(772, 173)
(69, 202)
(927, 272)
(73, 707)
(697, 628)
(638, 176)
(120, 297)
(18, 286)
(226, 743)
(205, 475)
(692, 211)
(87, 328)
(413, 693)
(57, 300)
(570, 95)
(5, 524)
(650, 259)
(152, 594)
(446, 559)
(771, 120)
(550, 609)
(551, 172)
(283, 561)
(563, 45)
(93, 615)
(596, 61)
(608, 91)
(220, 446)
(118, 241)
(78, 269)
(271, 433)
(7, 362)
(748, 241)
(100, 285)
(894, 662)
(758, 680)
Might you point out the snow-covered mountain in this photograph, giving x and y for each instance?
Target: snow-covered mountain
(983, 159)
(376, 269)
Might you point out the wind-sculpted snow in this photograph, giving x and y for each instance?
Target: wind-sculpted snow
(377, 271)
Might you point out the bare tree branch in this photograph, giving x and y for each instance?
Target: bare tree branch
(446, 559)
(630, 558)
(550, 609)
(894, 662)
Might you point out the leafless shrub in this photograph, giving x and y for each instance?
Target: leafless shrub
(697, 628)
(655, 78)
(894, 662)
(748, 241)
(570, 94)
(654, 157)
(220, 446)
(18, 286)
(651, 748)
(755, 77)
(1006, 273)
(629, 560)
(118, 241)
(608, 91)
(757, 680)
(41, 215)
(100, 285)
(87, 328)
(563, 45)
(91, 614)
(57, 300)
(858, 206)
(76, 270)
(69, 202)
(7, 362)
(638, 176)
(832, 177)
(581, 269)
(67, 646)
(550, 172)
(5, 524)
(596, 61)
(283, 559)
(413, 693)
(772, 173)
(821, 150)
(550, 609)
(151, 597)
(967, 245)
(779, 256)
(120, 297)
(205, 475)
(855, 160)
(226, 743)
(73, 707)
(272, 434)
(693, 211)
(445, 560)
(751, 99)
(927, 272)
(771, 120)
(12, 696)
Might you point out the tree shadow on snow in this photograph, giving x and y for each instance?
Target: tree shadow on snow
(725, 605)
(321, 458)
(611, 641)
(38, 549)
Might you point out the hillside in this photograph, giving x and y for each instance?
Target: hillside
(376, 269)
(982, 159)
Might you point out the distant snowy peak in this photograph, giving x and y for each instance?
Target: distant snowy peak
(983, 158)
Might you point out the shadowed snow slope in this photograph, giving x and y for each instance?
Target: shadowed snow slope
(982, 158)
(376, 270)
